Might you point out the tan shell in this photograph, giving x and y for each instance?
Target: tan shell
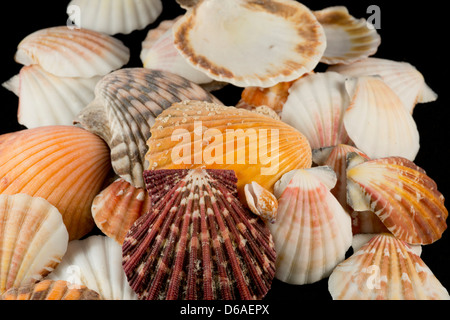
(261, 202)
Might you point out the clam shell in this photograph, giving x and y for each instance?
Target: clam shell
(312, 232)
(402, 77)
(315, 106)
(400, 194)
(117, 207)
(348, 39)
(385, 268)
(33, 239)
(116, 16)
(67, 52)
(377, 121)
(50, 290)
(126, 104)
(225, 40)
(62, 164)
(195, 134)
(45, 99)
(95, 262)
(198, 242)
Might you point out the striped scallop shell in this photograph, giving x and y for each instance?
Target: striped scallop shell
(196, 134)
(198, 242)
(95, 262)
(62, 164)
(68, 52)
(385, 268)
(33, 239)
(402, 77)
(126, 104)
(226, 40)
(115, 16)
(312, 232)
(117, 207)
(51, 290)
(315, 106)
(45, 99)
(377, 121)
(348, 39)
(401, 194)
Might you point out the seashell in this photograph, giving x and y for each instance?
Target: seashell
(227, 254)
(361, 239)
(45, 99)
(385, 268)
(315, 106)
(312, 232)
(195, 134)
(225, 40)
(126, 104)
(117, 207)
(261, 202)
(377, 121)
(402, 77)
(33, 239)
(50, 290)
(116, 16)
(70, 52)
(62, 164)
(400, 194)
(95, 262)
(348, 39)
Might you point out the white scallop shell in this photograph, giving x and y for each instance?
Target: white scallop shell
(114, 16)
(95, 262)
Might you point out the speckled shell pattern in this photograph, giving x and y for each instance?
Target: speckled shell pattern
(198, 242)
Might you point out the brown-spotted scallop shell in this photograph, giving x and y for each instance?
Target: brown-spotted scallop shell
(198, 242)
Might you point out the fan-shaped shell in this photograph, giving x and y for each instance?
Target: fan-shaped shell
(33, 239)
(198, 242)
(68, 52)
(115, 16)
(385, 268)
(95, 262)
(45, 99)
(51, 290)
(348, 39)
(226, 40)
(315, 106)
(126, 104)
(154, 34)
(312, 232)
(62, 164)
(117, 207)
(401, 195)
(258, 148)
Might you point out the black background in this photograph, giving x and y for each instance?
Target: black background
(411, 32)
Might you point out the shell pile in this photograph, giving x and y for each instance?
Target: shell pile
(137, 182)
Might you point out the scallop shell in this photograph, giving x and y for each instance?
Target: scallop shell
(361, 239)
(315, 106)
(45, 99)
(402, 77)
(116, 16)
(51, 290)
(68, 52)
(225, 40)
(400, 194)
(62, 164)
(95, 262)
(117, 207)
(126, 104)
(33, 239)
(228, 253)
(312, 232)
(261, 202)
(196, 134)
(377, 121)
(348, 39)
(385, 268)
